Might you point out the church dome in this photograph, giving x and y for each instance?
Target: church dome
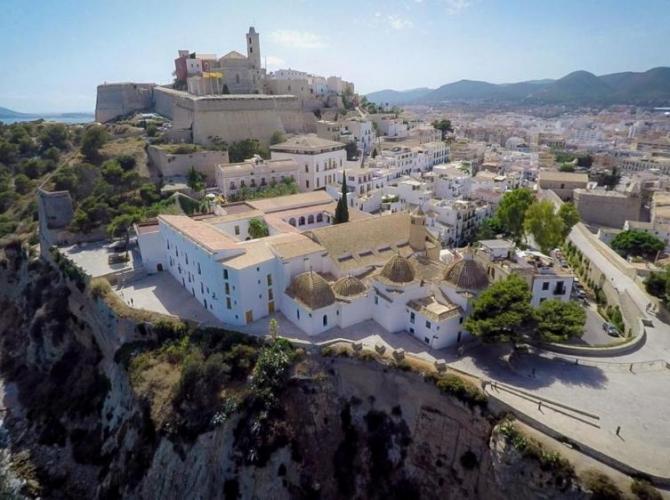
(312, 290)
(398, 270)
(467, 273)
(349, 287)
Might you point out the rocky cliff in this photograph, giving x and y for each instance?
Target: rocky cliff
(81, 425)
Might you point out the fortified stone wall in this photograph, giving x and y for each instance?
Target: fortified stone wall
(234, 117)
(118, 99)
(229, 117)
(171, 165)
(607, 208)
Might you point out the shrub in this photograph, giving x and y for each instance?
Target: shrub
(530, 448)
(644, 490)
(463, 390)
(601, 486)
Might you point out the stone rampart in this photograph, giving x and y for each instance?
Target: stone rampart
(233, 117)
(118, 99)
(170, 165)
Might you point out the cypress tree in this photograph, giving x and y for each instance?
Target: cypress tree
(342, 209)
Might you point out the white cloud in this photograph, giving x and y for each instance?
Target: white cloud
(275, 62)
(456, 6)
(298, 39)
(399, 23)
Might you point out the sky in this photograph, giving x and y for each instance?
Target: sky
(57, 51)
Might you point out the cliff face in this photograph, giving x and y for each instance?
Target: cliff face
(345, 428)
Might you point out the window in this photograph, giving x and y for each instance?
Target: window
(168, 244)
(297, 313)
(225, 274)
(237, 230)
(428, 324)
(310, 218)
(270, 294)
(306, 169)
(411, 317)
(301, 221)
(319, 217)
(269, 279)
(227, 289)
(307, 184)
(376, 300)
(199, 272)
(426, 340)
(202, 288)
(325, 320)
(292, 221)
(460, 320)
(186, 257)
(227, 302)
(545, 285)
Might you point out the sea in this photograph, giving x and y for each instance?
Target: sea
(62, 118)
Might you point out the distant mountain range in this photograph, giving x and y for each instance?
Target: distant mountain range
(649, 88)
(10, 116)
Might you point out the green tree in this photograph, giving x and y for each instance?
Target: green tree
(112, 173)
(658, 284)
(352, 150)
(570, 216)
(245, 149)
(559, 321)
(277, 137)
(544, 224)
(637, 243)
(258, 228)
(127, 162)
(54, 135)
(149, 193)
(512, 210)
(195, 180)
(567, 167)
(94, 138)
(342, 208)
(443, 126)
(489, 229)
(22, 184)
(609, 179)
(502, 312)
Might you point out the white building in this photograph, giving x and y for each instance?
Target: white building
(254, 173)
(545, 278)
(384, 268)
(317, 159)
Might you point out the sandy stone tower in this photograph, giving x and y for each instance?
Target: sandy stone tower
(254, 49)
(417, 230)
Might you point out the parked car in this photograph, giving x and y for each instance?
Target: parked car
(611, 329)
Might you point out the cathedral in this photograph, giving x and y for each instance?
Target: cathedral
(233, 73)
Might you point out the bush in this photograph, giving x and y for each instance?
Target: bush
(601, 486)
(462, 389)
(644, 490)
(530, 448)
(94, 138)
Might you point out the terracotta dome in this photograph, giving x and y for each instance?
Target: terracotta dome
(312, 290)
(349, 287)
(467, 273)
(398, 270)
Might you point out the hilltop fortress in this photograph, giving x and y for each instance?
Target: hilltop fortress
(229, 99)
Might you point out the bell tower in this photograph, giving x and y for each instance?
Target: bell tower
(254, 48)
(417, 230)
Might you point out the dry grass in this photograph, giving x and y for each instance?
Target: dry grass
(156, 382)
